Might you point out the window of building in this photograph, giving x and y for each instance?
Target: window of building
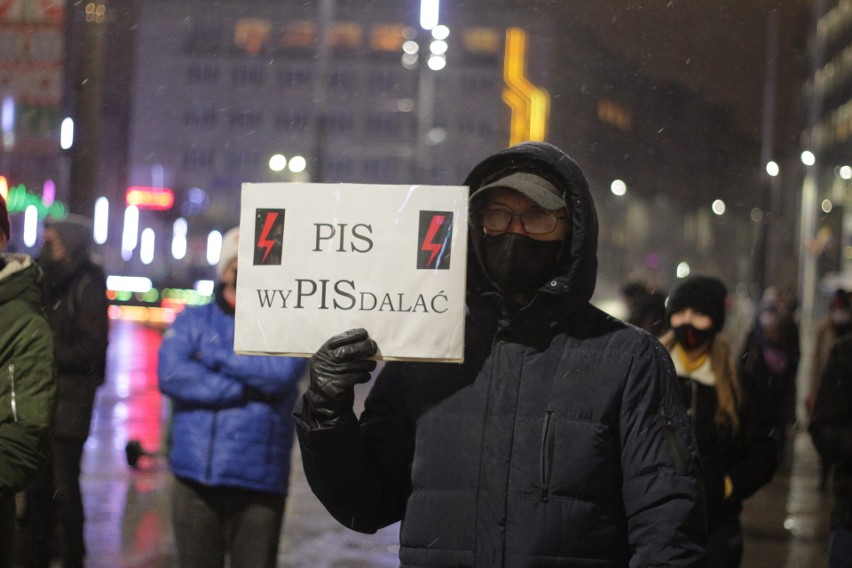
(247, 76)
(206, 36)
(202, 73)
(199, 115)
(341, 80)
(389, 124)
(291, 121)
(380, 170)
(387, 38)
(245, 118)
(252, 34)
(481, 42)
(340, 123)
(614, 114)
(197, 159)
(339, 169)
(383, 81)
(346, 37)
(294, 77)
(243, 160)
(298, 37)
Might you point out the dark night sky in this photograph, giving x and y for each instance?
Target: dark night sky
(715, 46)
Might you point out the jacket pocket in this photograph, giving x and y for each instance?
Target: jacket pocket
(546, 453)
(675, 444)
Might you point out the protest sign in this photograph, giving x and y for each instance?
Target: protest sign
(317, 259)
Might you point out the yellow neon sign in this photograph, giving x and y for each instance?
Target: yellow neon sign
(530, 105)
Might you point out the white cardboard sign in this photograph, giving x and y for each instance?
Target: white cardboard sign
(317, 259)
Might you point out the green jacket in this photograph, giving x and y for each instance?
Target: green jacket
(27, 375)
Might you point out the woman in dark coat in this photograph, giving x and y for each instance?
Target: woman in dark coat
(739, 449)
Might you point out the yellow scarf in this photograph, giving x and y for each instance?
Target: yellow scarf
(689, 365)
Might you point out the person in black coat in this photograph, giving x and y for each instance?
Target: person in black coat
(739, 447)
(769, 362)
(562, 438)
(831, 431)
(77, 313)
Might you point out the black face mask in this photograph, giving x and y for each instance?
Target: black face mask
(691, 338)
(517, 264)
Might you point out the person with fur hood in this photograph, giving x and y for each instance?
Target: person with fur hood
(27, 381)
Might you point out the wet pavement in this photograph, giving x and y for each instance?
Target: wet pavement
(128, 523)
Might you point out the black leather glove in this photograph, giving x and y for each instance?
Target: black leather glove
(335, 369)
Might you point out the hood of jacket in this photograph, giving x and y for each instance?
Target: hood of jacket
(20, 279)
(576, 271)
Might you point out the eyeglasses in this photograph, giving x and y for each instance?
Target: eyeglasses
(534, 223)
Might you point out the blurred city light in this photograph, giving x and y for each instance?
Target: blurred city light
(438, 47)
(618, 187)
(808, 158)
(66, 133)
(277, 163)
(205, 287)
(48, 192)
(157, 198)
(298, 164)
(4, 188)
(130, 234)
(436, 62)
(772, 168)
(138, 284)
(214, 247)
(718, 207)
(179, 238)
(441, 32)
(846, 172)
(146, 246)
(101, 220)
(411, 47)
(30, 225)
(7, 121)
(429, 13)
(826, 206)
(682, 270)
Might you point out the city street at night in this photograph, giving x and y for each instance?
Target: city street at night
(786, 523)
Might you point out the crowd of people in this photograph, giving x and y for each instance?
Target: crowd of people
(567, 436)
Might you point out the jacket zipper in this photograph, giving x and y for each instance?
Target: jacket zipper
(546, 454)
(675, 446)
(12, 385)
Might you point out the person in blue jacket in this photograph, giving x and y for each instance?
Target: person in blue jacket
(231, 433)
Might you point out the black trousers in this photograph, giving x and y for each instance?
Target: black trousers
(212, 522)
(55, 496)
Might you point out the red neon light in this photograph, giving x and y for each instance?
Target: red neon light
(158, 198)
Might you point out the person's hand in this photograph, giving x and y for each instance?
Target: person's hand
(335, 369)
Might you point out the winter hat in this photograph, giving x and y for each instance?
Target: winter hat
(229, 250)
(4, 220)
(704, 294)
(533, 186)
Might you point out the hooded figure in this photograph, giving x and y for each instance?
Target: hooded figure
(27, 382)
(561, 439)
(77, 312)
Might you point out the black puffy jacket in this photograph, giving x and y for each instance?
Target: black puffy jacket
(561, 440)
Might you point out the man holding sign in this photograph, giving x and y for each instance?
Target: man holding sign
(561, 439)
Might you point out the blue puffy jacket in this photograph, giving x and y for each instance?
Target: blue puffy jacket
(231, 423)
